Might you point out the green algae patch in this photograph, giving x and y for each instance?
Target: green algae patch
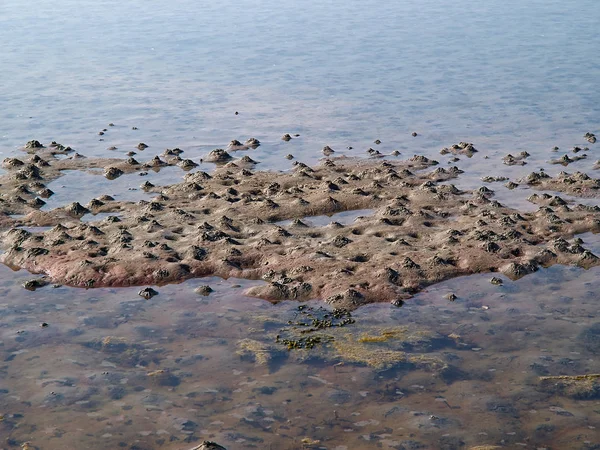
(377, 358)
(578, 387)
(259, 352)
(388, 348)
(384, 336)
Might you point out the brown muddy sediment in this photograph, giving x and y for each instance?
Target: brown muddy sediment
(578, 184)
(424, 230)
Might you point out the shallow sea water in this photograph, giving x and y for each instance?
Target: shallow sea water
(112, 370)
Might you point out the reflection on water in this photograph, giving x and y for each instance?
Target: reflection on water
(112, 370)
(35, 229)
(344, 218)
(98, 217)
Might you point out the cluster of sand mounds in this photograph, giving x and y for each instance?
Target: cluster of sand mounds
(422, 230)
(577, 183)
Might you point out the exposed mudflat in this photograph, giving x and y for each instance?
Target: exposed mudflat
(423, 229)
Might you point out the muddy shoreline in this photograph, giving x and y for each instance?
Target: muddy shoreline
(423, 230)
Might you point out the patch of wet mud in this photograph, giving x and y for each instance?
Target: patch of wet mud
(406, 241)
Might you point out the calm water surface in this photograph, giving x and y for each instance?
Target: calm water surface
(112, 370)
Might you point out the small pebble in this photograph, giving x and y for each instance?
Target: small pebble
(204, 290)
(147, 293)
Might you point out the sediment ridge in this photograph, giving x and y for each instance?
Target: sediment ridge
(423, 229)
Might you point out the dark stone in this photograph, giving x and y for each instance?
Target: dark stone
(590, 338)
(147, 293)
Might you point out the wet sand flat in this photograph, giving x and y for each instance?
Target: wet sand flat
(423, 229)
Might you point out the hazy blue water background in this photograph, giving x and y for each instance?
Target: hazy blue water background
(504, 74)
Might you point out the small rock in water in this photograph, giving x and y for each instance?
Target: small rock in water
(112, 173)
(204, 290)
(218, 155)
(44, 325)
(451, 296)
(147, 293)
(496, 281)
(252, 142)
(32, 285)
(208, 445)
(33, 144)
(414, 134)
(286, 137)
(327, 150)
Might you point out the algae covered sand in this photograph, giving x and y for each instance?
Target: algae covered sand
(423, 229)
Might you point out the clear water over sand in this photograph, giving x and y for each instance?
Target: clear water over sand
(115, 371)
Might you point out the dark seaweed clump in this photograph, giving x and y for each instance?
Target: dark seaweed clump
(308, 322)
